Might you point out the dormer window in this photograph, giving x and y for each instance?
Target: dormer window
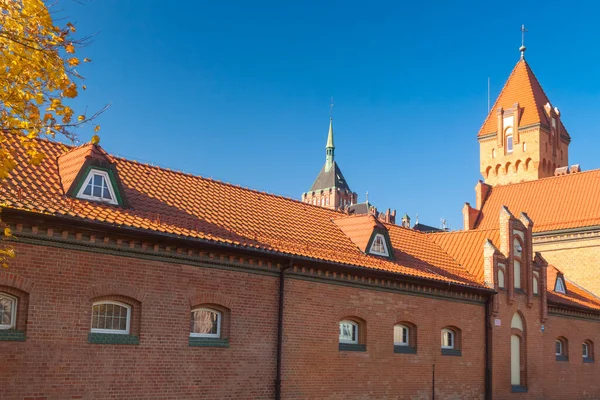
(559, 287)
(97, 186)
(379, 247)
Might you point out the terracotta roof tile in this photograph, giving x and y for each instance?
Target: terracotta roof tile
(466, 247)
(184, 205)
(521, 87)
(558, 202)
(576, 296)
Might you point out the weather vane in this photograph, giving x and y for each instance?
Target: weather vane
(523, 48)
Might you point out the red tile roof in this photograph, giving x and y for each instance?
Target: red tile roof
(521, 87)
(558, 202)
(187, 206)
(70, 163)
(466, 247)
(576, 296)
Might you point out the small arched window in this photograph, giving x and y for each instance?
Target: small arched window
(448, 338)
(561, 349)
(8, 311)
(205, 322)
(401, 335)
(348, 332)
(111, 317)
(501, 278)
(536, 283)
(524, 147)
(493, 153)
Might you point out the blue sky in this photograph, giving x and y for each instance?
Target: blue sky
(239, 90)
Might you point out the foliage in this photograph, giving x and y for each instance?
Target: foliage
(38, 76)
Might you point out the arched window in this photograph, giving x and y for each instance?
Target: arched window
(8, 311)
(501, 278)
(493, 153)
(111, 317)
(536, 283)
(587, 351)
(98, 186)
(447, 338)
(518, 252)
(509, 140)
(348, 332)
(524, 147)
(205, 322)
(405, 338)
(561, 349)
(517, 353)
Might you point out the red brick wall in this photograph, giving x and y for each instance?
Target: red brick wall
(56, 362)
(315, 368)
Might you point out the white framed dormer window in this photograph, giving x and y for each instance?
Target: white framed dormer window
(205, 322)
(560, 286)
(111, 317)
(447, 339)
(8, 311)
(348, 332)
(379, 247)
(97, 186)
(401, 335)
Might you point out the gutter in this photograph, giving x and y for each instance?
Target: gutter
(488, 354)
(262, 252)
(280, 328)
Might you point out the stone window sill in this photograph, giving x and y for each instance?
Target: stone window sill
(518, 389)
(112, 338)
(12, 335)
(588, 360)
(352, 347)
(562, 358)
(405, 349)
(451, 352)
(208, 342)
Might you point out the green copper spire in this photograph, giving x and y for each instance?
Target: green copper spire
(329, 148)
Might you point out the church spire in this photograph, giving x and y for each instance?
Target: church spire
(330, 147)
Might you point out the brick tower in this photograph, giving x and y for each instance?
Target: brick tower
(330, 189)
(522, 138)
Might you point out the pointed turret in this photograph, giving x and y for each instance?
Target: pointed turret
(330, 189)
(523, 137)
(330, 147)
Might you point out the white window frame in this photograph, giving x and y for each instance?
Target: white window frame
(385, 248)
(355, 329)
(219, 321)
(559, 286)
(402, 327)
(561, 352)
(113, 331)
(511, 148)
(452, 334)
(585, 350)
(86, 182)
(13, 312)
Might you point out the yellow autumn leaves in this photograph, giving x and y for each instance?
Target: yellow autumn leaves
(39, 66)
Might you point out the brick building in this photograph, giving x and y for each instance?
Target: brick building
(524, 148)
(134, 281)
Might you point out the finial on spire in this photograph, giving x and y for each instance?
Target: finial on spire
(367, 197)
(523, 48)
(330, 147)
(331, 108)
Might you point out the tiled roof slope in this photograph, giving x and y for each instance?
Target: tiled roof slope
(70, 163)
(187, 206)
(330, 178)
(558, 202)
(466, 247)
(576, 296)
(521, 87)
(359, 228)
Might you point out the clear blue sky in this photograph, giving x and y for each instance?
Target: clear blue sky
(239, 90)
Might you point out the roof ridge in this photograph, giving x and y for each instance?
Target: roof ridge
(545, 179)
(462, 231)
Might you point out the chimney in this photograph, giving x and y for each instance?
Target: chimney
(470, 216)
(482, 190)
